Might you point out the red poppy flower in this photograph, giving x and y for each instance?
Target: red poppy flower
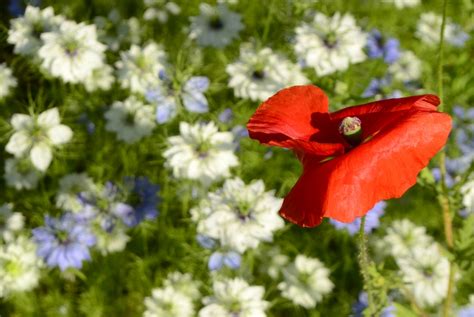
(354, 157)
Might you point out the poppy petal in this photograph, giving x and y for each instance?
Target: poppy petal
(287, 116)
(384, 167)
(376, 115)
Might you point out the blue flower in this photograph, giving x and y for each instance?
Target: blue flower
(16, 8)
(363, 302)
(457, 36)
(219, 259)
(191, 94)
(380, 47)
(230, 259)
(467, 311)
(205, 241)
(371, 220)
(140, 204)
(380, 87)
(464, 125)
(64, 241)
(226, 115)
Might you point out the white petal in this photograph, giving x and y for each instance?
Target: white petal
(60, 134)
(41, 156)
(18, 144)
(21, 121)
(49, 118)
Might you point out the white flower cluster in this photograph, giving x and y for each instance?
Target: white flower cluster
(64, 49)
(201, 153)
(215, 26)
(258, 75)
(234, 297)
(32, 143)
(175, 298)
(240, 216)
(7, 81)
(330, 44)
(139, 67)
(428, 30)
(422, 266)
(305, 281)
(131, 119)
(467, 191)
(19, 264)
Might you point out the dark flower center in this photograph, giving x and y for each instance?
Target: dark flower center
(330, 40)
(216, 23)
(129, 119)
(71, 48)
(258, 74)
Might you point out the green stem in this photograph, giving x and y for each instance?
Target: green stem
(364, 259)
(444, 196)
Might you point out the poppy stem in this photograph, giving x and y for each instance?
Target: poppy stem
(364, 260)
(444, 197)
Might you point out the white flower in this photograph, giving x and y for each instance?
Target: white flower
(306, 281)
(69, 187)
(71, 52)
(201, 153)
(160, 10)
(400, 4)
(115, 31)
(19, 266)
(239, 215)
(21, 174)
(130, 119)
(330, 44)
(138, 68)
(215, 26)
(183, 283)
(100, 78)
(258, 75)
(426, 274)
(467, 191)
(403, 237)
(406, 68)
(168, 302)
(7, 81)
(36, 136)
(429, 27)
(234, 297)
(25, 31)
(113, 241)
(10, 222)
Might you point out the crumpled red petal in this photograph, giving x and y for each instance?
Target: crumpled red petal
(384, 167)
(285, 120)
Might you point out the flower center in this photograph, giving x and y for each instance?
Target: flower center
(244, 210)
(202, 149)
(215, 22)
(330, 40)
(351, 130)
(258, 74)
(13, 268)
(129, 119)
(71, 48)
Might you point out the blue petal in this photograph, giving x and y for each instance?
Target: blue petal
(197, 84)
(215, 261)
(165, 112)
(232, 259)
(195, 102)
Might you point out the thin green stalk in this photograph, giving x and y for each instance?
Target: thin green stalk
(444, 198)
(364, 258)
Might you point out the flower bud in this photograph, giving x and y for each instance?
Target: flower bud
(351, 129)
